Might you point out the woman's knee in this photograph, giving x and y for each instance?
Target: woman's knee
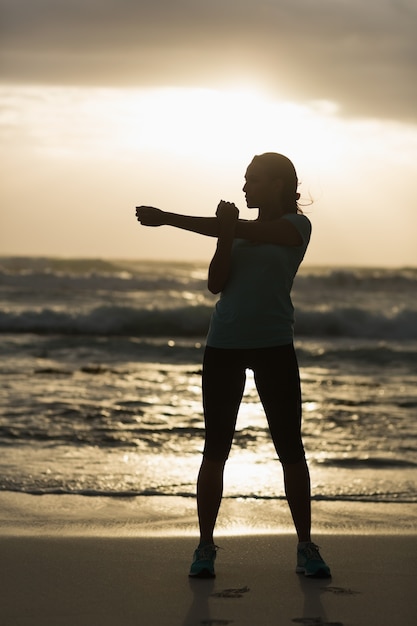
(293, 462)
(291, 455)
(215, 459)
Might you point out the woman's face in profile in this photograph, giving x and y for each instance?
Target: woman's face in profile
(259, 188)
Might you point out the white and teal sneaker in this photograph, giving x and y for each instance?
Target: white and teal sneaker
(203, 562)
(310, 563)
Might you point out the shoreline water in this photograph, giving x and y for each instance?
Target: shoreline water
(164, 516)
(96, 418)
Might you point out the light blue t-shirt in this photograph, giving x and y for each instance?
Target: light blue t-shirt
(255, 308)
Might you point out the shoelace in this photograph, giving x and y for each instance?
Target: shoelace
(206, 552)
(311, 551)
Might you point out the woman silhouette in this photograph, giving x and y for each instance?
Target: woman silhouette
(253, 269)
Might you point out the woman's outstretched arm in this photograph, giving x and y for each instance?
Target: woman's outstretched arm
(150, 216)
(278, 231)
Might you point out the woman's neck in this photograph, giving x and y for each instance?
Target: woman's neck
(268, 213)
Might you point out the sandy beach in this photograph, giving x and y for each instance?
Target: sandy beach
(143, 581)
(68, 570)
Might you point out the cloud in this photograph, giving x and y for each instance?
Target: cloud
(360, 55)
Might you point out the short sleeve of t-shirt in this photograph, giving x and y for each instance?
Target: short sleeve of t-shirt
(302, 224)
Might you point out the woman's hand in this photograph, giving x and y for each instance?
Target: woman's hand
(227, 212)
(150, 216)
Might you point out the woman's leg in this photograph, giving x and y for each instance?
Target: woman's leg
(278, 382)
(297, 490)
(209, 497)
(223, 385)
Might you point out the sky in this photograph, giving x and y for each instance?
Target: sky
(109, 104)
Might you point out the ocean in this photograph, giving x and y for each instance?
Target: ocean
(100, 382)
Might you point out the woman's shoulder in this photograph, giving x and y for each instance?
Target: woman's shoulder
(302, 224)
(298, 219)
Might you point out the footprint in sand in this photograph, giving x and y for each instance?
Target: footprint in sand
(231, 593)
(340, 590)
(236, 592)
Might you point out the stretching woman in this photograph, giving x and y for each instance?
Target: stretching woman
(253, 269)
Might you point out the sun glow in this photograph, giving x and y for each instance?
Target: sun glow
(213, 124)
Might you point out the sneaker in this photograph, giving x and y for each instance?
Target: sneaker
(203, 562)
(310, 563)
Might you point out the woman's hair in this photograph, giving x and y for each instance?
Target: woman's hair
(279, 166)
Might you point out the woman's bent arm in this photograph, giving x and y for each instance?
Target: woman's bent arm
(220, 265)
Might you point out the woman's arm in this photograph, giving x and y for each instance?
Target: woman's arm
(219, 269)
(150, 216)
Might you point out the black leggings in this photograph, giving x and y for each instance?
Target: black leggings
(277, 380)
